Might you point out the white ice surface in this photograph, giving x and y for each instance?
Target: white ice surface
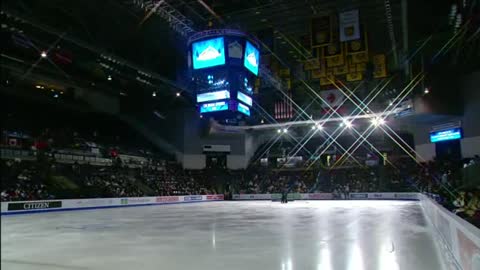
(303, 235)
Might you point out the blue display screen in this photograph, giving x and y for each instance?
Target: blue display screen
(214, 107)
(244, 98)
(446, 135)
(251, 58)
(243, 109)
(211, 96)
(208, 53)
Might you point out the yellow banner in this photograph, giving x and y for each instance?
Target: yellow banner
(320, 72)
(328, 80)
(379, 66)
(341, 70)
(353, 77)
(361, 57)
(321, 31)
(359, 45)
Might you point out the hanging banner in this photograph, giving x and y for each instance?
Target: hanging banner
(379, 66)
(340, 70)
(355, 76)
(331, 98)
(314, 62)
(321, 31)
(349, 25)
(327, 80)
(360, 45)
(361, 57)
(320, 72)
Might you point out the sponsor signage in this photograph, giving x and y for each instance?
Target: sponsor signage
(138, 200)
(124, 201)
(358, 195)
(94, 202)
(446, 135)
(192, 198)
(244, 98)
(214, 107)
(319, 196)
(211, 96)
(214, 197)
(405, 196)
(243, 109)
(167, 199)
(34, 205)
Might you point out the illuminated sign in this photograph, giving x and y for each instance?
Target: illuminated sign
(208, 53)
(243, 109)
(214, 107)
(252, 58)
(211, 96)
(446, 135)
(244, 98)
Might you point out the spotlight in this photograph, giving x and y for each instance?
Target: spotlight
(426, 91)
(154, 94)
(279, 130)
(109, 78)
(319, 127)
(314, 127)
(43, 54)
(347, 123)
(285, 130)
(378, 121)
(55, 96)
(178, 94)
(261, 121)
(201, 116)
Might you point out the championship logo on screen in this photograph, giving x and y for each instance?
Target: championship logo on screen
(34, 205)
(252, 58)
(208, 53)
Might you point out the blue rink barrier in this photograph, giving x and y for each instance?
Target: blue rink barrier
(33, 207)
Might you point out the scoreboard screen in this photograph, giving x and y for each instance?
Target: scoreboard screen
(208, 53)
(251, 58)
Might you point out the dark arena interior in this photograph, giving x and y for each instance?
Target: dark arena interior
(236, 134)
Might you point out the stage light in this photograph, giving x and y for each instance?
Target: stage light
(55, 96)
(43, 54)
(347, 123)
(278, 130)
(261, 121)
(178, 94)
(377, 121)
(154, 94)
(319, 127)
(285, 130)
(426, 91)
(201, 116)
(314, 127)
(109, 78)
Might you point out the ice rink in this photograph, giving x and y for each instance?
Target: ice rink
(303, 235)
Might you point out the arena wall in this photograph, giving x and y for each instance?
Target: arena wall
(27, 207)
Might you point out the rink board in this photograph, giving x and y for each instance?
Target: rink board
(329, 196)
(29, 207)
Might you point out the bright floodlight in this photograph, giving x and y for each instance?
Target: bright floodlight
(378, 121)
(285, 130)
(347, 123)
(154, 94)
(43, 54)
(178, 94)
(109, 78)
(426, 91)
(278, 130)
(319, 127)
(314, 127)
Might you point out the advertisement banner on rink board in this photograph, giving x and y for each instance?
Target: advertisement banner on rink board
(167, 199)
(252, 196)
(34, 205)
(73, 204)
(317, 196)
(192, 198)
(214, 197)
(358, 195)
